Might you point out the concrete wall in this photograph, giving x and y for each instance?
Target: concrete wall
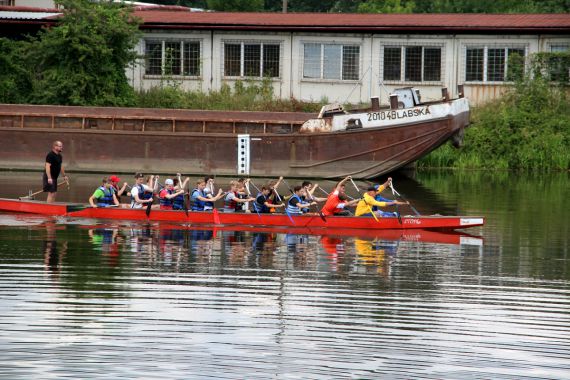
(370, 83)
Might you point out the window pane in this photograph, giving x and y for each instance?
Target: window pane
(432, 64)
(559, 48)
(192, 58)
(172, 56)
(271, 61)
(232, 58)
(413, 64)
(252, 60)
(515, 65)
(153, 54)
(331, 62)
(496, 64)
(392, 63)
(474, 65)
(350, 62)
(312, 61)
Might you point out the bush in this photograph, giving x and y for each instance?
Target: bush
(528, 128)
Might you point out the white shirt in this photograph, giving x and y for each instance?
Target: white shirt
(135, 191)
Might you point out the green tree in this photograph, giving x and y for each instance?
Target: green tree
(386, 6)
(82, 61)
(15, 80)
(236, 5)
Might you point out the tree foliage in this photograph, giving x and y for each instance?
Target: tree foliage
(384, 6)
(81, 61)
(236, 5)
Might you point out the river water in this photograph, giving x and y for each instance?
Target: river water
(120, 300)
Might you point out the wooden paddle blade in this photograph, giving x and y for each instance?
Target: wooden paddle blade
(216, 216)
(148, 208)
(322, 216)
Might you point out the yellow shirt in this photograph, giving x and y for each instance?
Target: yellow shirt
(366, 203)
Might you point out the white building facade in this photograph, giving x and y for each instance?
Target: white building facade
(202, 51)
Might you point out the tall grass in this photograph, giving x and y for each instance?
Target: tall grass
(244, 96)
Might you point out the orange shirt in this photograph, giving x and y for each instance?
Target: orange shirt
(332, 204)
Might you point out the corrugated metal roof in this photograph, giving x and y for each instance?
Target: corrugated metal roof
(26, 15)
(354, 22)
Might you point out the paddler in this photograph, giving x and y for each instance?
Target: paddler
(295, 204)
(262, 202)
(141, 193)
(364, 207)
(309, 190)
(199, 199)
(337, 201)
(168, 194)
(115, 184)
(232, 202)
(104, 196)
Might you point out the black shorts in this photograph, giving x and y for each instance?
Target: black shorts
(50, 188)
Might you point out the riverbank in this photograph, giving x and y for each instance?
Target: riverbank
(528, 128)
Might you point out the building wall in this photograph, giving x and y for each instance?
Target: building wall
(369, 80)
(35, 3)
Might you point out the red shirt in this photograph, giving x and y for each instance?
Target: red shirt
(331, 205)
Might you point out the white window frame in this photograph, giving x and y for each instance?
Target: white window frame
(403, 46)
(486, 48)
(163, 42)
(322, 62)
(242, 44)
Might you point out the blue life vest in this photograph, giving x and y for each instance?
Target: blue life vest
(165, 202)
(198, 204)
(260, 207)
(291, 208)
(107, 198)
(143, 195)
(178, 202)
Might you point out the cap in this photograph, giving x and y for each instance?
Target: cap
(139, 175)
(114, 178)
(372, 188)
(169, 182)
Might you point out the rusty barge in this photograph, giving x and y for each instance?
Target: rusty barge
(335, 143)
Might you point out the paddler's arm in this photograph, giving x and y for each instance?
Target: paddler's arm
(220, 195)
(122, 189)
(48, 172)
(115, 200)
(373, 202)
(92, 201)
(384, 186)
(338, 186)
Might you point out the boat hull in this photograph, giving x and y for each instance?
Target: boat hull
(99, 139)
(244, 219)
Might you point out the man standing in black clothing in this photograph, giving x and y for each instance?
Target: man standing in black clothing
(54, 166)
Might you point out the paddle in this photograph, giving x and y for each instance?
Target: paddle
(394, 192)
(367, 205)
(184, 202)
(316, 206)
(31, 195)
(255, 207)
(286, 212)
(149, 204)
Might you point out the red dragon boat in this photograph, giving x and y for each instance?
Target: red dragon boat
(75, 210)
